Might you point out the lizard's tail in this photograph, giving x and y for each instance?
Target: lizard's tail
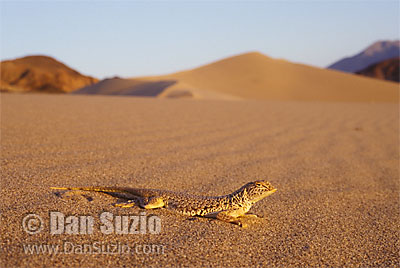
(94, 189)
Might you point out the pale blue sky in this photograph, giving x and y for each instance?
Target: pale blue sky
(135, 38)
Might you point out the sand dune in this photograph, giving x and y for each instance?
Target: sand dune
(256, 76)
(253, 76)
(148, 87)
(130, 87)
(40, 74)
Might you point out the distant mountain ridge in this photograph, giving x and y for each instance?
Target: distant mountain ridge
(40, 74)
(385, 70)
(375, 53)
(250, 75)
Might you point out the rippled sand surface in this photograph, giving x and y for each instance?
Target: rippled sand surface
(336, 167)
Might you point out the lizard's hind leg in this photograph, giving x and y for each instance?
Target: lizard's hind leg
(126, 204)
(152, 202)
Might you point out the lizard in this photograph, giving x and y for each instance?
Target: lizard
(231, 208)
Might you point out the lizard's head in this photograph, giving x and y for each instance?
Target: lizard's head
(258, 190)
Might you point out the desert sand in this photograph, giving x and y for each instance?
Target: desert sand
(335, 164)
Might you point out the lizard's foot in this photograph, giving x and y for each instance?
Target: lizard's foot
(126, 204)
(251, 216)
(240, 223)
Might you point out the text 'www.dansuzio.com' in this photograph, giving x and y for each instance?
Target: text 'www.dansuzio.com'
(94, 248)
